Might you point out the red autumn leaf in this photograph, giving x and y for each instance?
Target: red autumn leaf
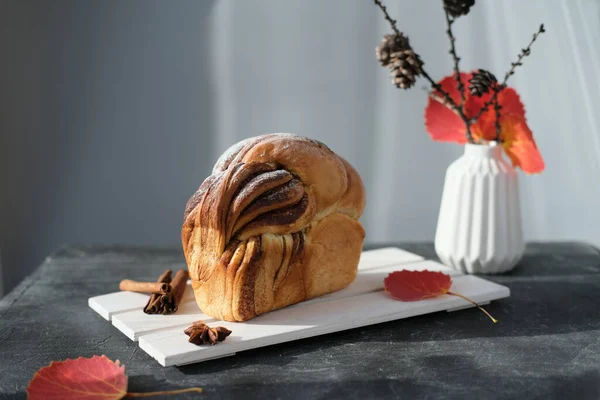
(444, 125)
(416, 285)
(88, 379)
(84, 378)
(519, 145)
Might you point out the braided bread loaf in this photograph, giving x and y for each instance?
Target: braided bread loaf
(275, 224)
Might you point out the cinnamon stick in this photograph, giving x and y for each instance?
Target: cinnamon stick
(154, 302)
(179, 285)
(166, 298)
(153, 306)
(145, 287)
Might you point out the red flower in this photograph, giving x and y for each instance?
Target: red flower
(444, 125)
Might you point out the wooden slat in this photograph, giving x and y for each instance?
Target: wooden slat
(170, 347)
(386, 256)
(111, 304)
(137, 323)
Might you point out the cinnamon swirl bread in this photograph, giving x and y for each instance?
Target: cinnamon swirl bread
(275, 224)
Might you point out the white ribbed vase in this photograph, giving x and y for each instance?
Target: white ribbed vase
(479, 228)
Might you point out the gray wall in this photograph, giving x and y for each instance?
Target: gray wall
(106, 123)
(113, 111)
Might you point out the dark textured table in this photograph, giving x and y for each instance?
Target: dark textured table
(546, 345)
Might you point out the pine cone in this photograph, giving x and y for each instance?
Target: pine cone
(481, 82)
(406, 66)
(389, 45)
(456, 8)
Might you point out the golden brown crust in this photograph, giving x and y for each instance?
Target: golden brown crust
(276, 223)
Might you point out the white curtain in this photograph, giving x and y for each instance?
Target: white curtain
(308, 66)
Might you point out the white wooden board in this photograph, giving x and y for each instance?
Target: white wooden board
(386, 256)
(362, 303)
(111, 304)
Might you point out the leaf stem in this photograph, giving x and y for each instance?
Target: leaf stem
(494, 320)
(163, 393)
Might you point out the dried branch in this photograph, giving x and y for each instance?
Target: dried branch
(387, 17)
(438, 87)
(497, 108)
(455, 57)
(524, 53)
(448, 101)
(441, 101)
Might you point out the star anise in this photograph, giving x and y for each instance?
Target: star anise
(200, 333)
